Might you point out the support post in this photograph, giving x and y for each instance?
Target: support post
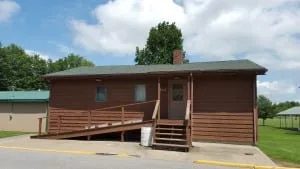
(279, 121)
(299, 122)
(59, 124)
(158, 95)
(89, 123)
(189, 88)
(292, 121)
(122, 121)
(285, 121)
(40, 125)
(122, 136)
(122, 115)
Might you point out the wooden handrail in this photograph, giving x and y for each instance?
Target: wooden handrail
(157, 104)
(125, 105)
(188, 110)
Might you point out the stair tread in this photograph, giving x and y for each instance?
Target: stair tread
(162, 128)
(172, 134)
(169, 124)
(170, 139)
(170, 145)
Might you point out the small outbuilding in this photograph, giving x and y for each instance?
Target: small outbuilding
(290, 115)
(20, 110)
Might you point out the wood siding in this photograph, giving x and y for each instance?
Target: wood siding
(223, 109)
(79, 96)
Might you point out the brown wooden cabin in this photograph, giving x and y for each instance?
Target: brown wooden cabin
(208, 101)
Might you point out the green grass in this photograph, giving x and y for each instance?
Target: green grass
(4, 134)
(282, 145)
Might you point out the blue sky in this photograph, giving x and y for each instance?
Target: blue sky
(107, 32)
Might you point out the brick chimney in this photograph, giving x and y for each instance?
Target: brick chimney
(177, 57)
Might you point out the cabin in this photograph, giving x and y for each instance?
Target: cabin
(184, 103)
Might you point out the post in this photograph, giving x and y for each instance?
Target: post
(89, 119)
(158, 95)
(122, 136)
(122, 115)
(89, 123)
(122, 118)
(292, 121)
(40, 125)
(189, 88)
(285, 120)
(279, 121)
(59, 123)
(299, 121)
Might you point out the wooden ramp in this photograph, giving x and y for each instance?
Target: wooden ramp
(96, 131)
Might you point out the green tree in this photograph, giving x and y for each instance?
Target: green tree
(162, 41)
(20, 71)
(279, 107)
(69, 62)
(265, 108)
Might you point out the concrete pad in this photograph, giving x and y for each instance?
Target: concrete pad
(200, 151)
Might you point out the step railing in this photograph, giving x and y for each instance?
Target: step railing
(155, 117)
(188, 121)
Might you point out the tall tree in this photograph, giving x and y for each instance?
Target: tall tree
(265, 108)
(279, 107)
(69, 62)
(20, 71)
(162, 41)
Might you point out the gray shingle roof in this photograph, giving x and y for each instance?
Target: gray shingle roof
(24, 96)
(291, 111)
(219, 66)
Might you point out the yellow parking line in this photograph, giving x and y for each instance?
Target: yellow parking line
(238, 165)
(50, 150)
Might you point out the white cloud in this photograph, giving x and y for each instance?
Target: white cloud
(266, 32)
(32, 52)
(213, 29)
(277, 90)
(8, 8)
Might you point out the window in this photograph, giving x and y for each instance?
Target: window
(101, 94)
(140, 93)
(177, 92)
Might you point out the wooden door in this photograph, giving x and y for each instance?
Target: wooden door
(177, 99)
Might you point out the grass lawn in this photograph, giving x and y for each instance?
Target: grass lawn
(10, 133)
(282, 145)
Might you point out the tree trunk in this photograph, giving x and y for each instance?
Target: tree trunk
(264, 122)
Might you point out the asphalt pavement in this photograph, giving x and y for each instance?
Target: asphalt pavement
(25, 159)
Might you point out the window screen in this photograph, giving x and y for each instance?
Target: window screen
(177, 92)
(101, 94)
(140, 93)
